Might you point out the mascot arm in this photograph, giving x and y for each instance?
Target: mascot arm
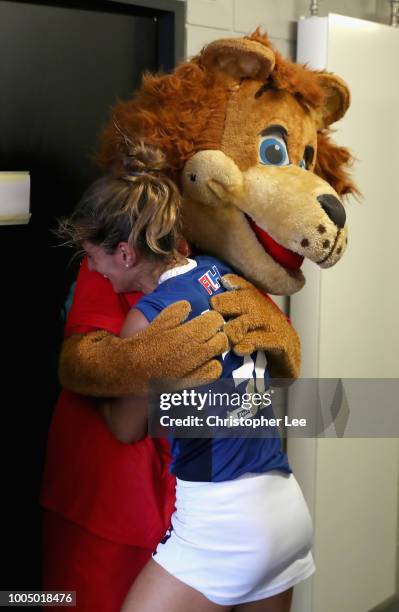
(100, 364)
(258, 324)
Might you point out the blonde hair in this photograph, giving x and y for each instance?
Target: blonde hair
(140, 205)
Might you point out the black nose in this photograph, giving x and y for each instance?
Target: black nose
(334, 209)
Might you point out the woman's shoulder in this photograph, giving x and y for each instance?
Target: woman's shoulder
(209, 262)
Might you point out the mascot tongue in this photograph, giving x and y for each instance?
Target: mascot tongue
(285, 257)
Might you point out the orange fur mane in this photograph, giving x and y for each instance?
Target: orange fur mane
(184, 112)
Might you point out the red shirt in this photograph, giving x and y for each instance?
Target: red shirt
(120, 492)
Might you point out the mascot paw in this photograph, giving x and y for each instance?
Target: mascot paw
(258, 324)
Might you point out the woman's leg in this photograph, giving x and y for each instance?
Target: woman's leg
(155, 590)
(277, 603)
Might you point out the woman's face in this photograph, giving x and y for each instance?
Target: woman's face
(112, 266)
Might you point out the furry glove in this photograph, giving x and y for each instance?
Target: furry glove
(100, 364)
(258, 324)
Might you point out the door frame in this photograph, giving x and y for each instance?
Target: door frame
(169, 14)
(171, 18)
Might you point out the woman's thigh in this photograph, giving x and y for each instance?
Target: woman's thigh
(277, 603)
(155, 590)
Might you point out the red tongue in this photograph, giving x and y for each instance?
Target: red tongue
(283, 256)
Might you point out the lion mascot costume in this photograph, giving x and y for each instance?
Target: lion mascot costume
(246, 135)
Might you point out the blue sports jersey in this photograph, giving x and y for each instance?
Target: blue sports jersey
(220, 458)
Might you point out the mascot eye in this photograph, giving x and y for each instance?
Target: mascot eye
(273, 151)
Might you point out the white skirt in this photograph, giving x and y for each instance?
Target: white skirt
(241, 540)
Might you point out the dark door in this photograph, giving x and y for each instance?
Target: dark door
(61, 67)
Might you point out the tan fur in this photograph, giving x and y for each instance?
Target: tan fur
(207, 116)
(247, 116)
(102, 365)
(239, 58)
(227, 234)
(258, 324)
(281, 200)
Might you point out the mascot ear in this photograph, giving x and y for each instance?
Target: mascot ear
(336, 101)
(239, 58)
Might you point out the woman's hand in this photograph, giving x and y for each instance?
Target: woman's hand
(258, 324)
(100, 364)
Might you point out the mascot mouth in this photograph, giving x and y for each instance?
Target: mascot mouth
(286, 258)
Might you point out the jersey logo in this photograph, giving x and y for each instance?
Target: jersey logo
(210, 279)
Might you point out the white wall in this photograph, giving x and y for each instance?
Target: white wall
(355, 491)
(208, 20)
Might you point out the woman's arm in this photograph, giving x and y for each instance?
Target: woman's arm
(135, 322)
(126, 417)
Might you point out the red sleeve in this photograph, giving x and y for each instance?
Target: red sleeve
(95, 304)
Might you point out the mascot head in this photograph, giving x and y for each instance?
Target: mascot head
(246, 136)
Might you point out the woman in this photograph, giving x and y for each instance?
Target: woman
(214, 557)
(106, 504)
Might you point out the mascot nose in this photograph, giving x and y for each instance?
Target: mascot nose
(333, 208)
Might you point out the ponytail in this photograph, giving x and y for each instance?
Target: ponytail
(139, 204)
